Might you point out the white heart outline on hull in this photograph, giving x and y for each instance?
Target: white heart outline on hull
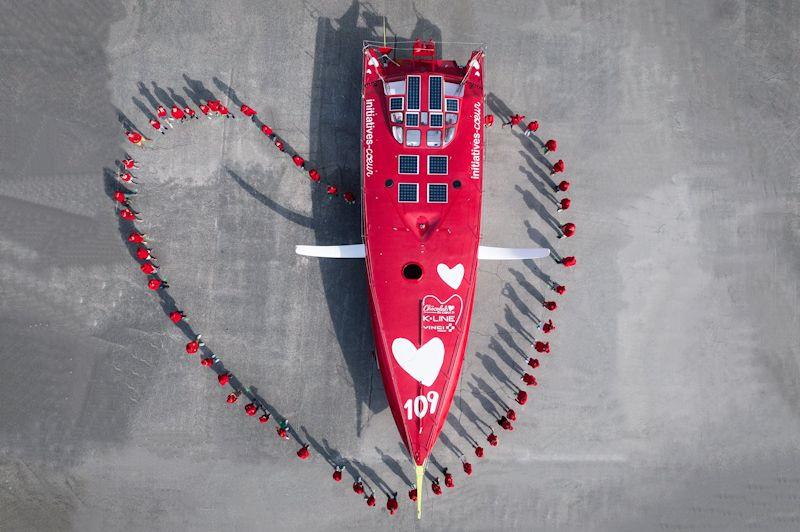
(451, 276)
(423, 363)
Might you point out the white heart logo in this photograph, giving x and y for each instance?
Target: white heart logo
(373, 62)
(451, 276)
(424, 363)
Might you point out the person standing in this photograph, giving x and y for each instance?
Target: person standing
(195, 345)
(250, 409)
(448, 478)
(177, 316)
(564, 204)
(337, 473)
(370, 499)
(511, 414)
(529, 379)
(223, 378)
(302, 452)
(135, 237)
(233, 397)
(391, 503)
(283, 430)
(561, 187)
(568, 262)
(436, 487)
(533, 363)
(551, 145)
(514, 120)
(548, 327)
(567, 230)
(148, 268)
(531, 128)
(558, 167)
(412, 493)
(358, 486)
(466, 465)
(541, 347)
(155, 283)
(492, 439)
(550, 305)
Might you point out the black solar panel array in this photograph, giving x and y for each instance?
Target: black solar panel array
(437, 164)
(409, 164)
(436, 119)
(452, 105)
(407, 192)
(435, 93)
(396, 104)
(413, 92)
(437, 193)
(412, 119)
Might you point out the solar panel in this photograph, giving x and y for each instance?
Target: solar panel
(395, 104)
(413, 92)
(437, 164)
(407, 192)
(409, 164)
(437, 193)
(435, 93)
(452, 105)
(436, 119)
(412, 119)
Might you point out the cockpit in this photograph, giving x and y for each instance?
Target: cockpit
(423, 110)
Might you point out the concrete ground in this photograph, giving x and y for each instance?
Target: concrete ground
(670, 400)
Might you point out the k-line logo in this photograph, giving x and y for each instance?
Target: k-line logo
(369, 127)
(475, 152)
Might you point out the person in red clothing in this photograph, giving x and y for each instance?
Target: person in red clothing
(529, 379)
(505, 423)
(567, 230)
(195, 345)
(436, 487)
(155, 124)
(177, 113)
(531, 128)
(248, 111)
(214, 105)
(135, 138)
(233, 397)
(263, 418)
(120, 197)
(559, 289)
(155, 283)
(348, 197)
(161, 112)
(541, 347)
(479, 451)
(314, 176)
(492, 439)
(189, 112)
(206, 110)
(265, 129)
(250, 409)
(551, 145)
(223, 378)
(514, 120)
(358, 486)
(127, 177)
(148, 268)
(511, 414)
(370, 499)
(177, 316)
(488, 121)
(568, 262)
(225, 112)
(337, 473)
(279, 144)
(144, 253)
(302, 452)
(332, 191)
(135, 237)
(298, 161)
(391, 504)
(558, 167)
(533, 363)
(207, 362)
(522, 397)
(282, 433)
(412, 493)
(564, 204)
(129, 215)
(448, 478)
(550, 305)
(466, 465)
(547, 326)
(561, 187)
(129, 164)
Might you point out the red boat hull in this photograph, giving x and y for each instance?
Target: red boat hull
(421, 228)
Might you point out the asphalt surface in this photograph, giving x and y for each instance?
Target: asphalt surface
(671, 397)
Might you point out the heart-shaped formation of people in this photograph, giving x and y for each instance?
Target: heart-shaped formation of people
(423, 363)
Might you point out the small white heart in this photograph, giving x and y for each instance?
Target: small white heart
(475, 64)
(422, 364)
(373, 62)
(452, 276)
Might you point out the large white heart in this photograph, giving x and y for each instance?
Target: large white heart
(452, 276)
(424, 363)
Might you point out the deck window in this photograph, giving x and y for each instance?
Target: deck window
(407, 192)
(397, 133)
(437, 193)
(395, 87)
(433, 138)
(437, 164)
(413, 137)
(408, 164)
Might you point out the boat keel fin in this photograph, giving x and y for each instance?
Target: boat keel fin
(348, 251)
(490, 253)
